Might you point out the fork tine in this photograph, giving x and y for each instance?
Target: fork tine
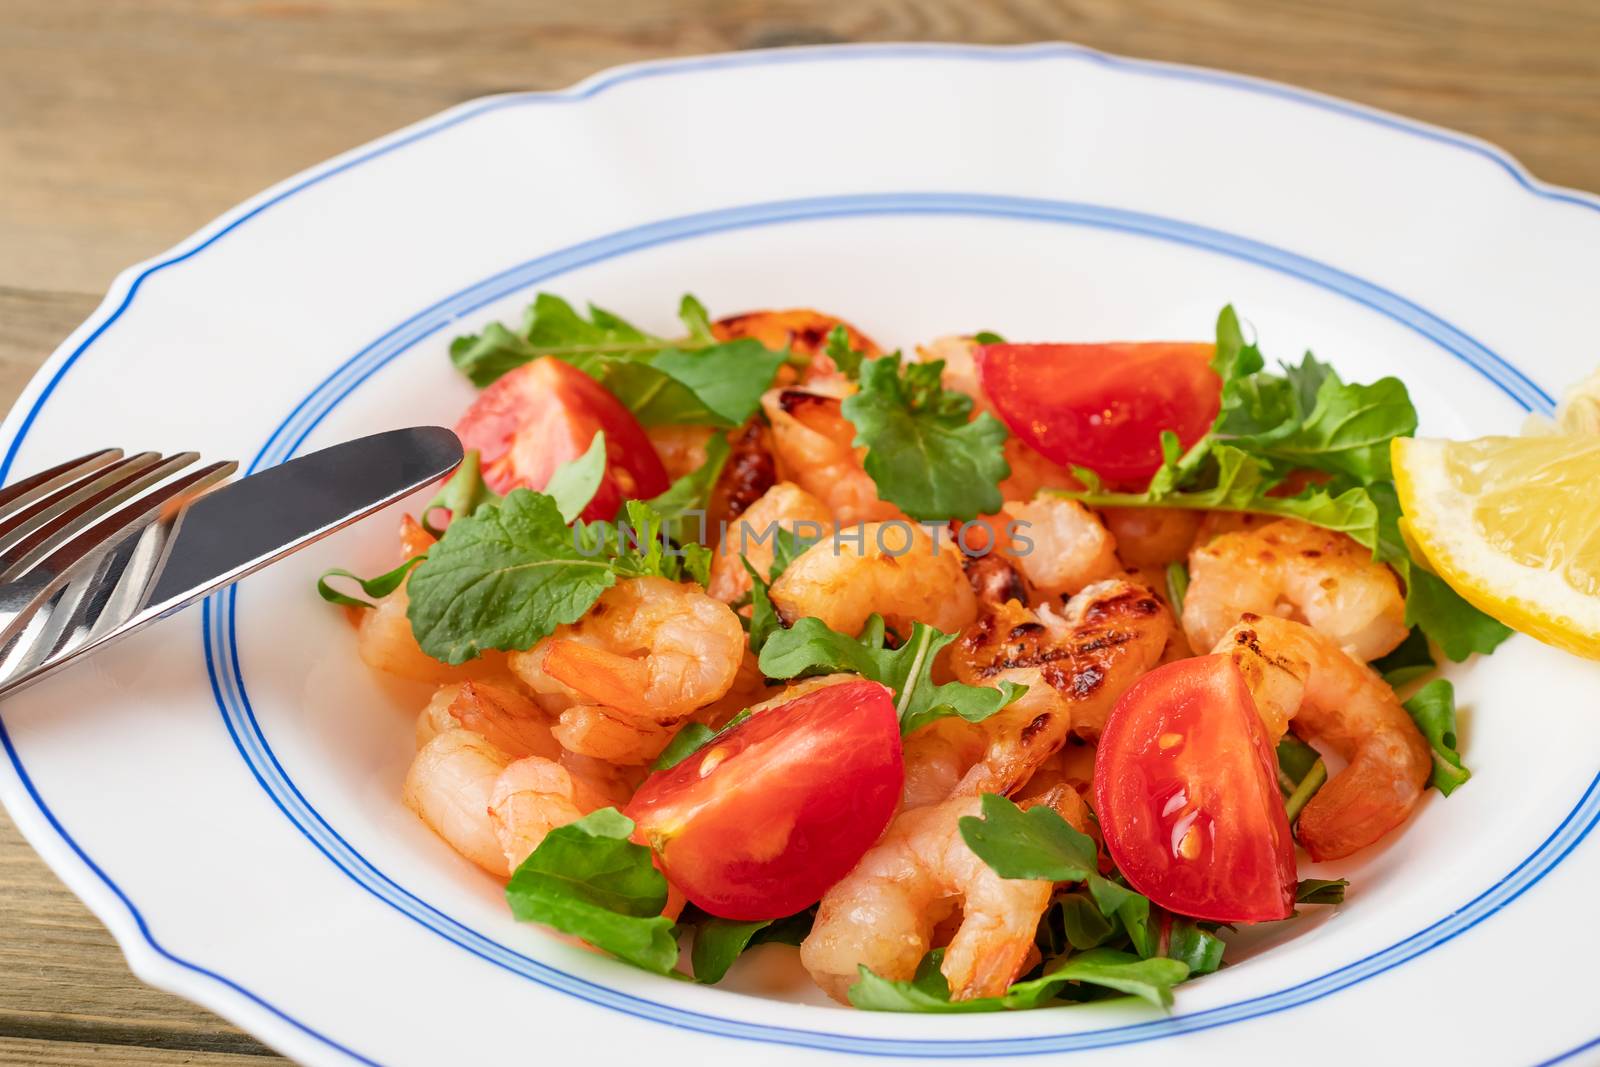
(40, 510)
(38, 585)
(14, 497)
(86, 506)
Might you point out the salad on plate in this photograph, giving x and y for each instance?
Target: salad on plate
(990, 675)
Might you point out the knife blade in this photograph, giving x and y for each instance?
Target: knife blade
(233, 531)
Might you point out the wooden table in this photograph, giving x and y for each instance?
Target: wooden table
(125, 126)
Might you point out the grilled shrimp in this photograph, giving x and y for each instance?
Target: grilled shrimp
(785, 506)
(813, 443)
(893, 569)
(1292, 569)
(645, 657)
(1059, 545)
(801, 331)
(1076, 664)
(883, 913)
(1296, 673)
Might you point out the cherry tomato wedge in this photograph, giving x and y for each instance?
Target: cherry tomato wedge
(761, 821)
(535, 418)
(1103, 406)
(1187, 795)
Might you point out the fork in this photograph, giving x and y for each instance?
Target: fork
(80, 545)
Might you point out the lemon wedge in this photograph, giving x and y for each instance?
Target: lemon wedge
(1513, 524)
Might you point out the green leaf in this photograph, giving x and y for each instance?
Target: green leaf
(1135, 912)
(463, 494)
(809, 647)
(685, 743)
(717, 943)
(786, 548)
(1194, 946)
(1295, 759)
(682, 506)
(1177, 585)
(1410, 660)
(695, 319)
(727, 381)
(1037, 843)
(551, 328)
(1458, 628)
(988, 337)
(844, 355)
(1314, 780)
(1086, 925)
(573, 484)
(1433, 709)
(764, 621)
(1150, 979)
(502, 578)
(587, 879)
(1321, 891)
(377, 588)
(643, 549)
(922, 451)
(1349, 430)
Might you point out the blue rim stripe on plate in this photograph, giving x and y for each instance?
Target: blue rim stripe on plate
(222, 640)
(608, 80)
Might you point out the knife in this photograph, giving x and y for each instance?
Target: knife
(219, 538)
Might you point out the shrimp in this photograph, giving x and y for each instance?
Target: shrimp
(1076, 664)
(1151, 537)
(1058, 545)
(754, 534)
(682, 448)
(882, 915)
(533, 796)
(496, 712)
(449, 786)
(645, 657)
(801, 331)
(1295, 570)
(1295, 672)
(813, 443)
(748, 473)
(893, 569)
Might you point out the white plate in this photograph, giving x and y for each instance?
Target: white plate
(222, 790)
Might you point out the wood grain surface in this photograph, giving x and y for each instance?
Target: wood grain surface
(127, 124)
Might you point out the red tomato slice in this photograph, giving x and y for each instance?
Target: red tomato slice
(760, 822)
(1187, 796)
(535, 418)
(1103, 406)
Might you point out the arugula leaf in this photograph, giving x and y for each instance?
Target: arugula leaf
(1433, 709)
(1295, 760)
(923, 453)
(1150, 979)
(572, 485)
(1177, 585)
(1085, 924)
(502, 578)
(809, 647)
(463, 494)
(1193, 945)
(1410, 660)
(589, 880)
(988, 337)
(691, 739)
(1321, 890)
(1348, 431)
(844, 355)
(682, 506)
(377, 588)
(643, 526)
(1458, 628)
(1037, 843)
(550, 328)
(685, 743)
(1314, 780)
(717, 943)
(695, 319)
(763, 621)
(693, 382)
